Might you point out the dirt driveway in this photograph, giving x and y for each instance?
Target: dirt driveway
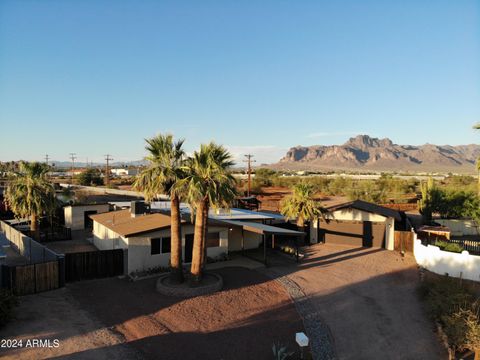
(367, 298)
(117, 319)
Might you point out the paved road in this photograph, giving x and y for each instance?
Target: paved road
(367, 298)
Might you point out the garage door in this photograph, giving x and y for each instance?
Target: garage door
(354, 233)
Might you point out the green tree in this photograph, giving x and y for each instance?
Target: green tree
(166, 160)
(90, 177)
(208, 183)
(301, 205)
(30, 194)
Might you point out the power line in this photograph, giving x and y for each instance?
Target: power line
(249, 171)
(108, 158)
(73, 157)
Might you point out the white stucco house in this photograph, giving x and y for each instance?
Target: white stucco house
(357, 223)
(146, 237)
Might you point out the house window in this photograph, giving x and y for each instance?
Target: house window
(159, 245)
(213, 239)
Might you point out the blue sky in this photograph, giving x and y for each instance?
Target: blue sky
(96, 77)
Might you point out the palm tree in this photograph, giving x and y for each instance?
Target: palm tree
(208, 183)
(301, 205)
(166, 159)
(30, 194)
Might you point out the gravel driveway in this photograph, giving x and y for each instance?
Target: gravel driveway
(367, 298)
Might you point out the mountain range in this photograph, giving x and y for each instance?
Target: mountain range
(372, 154)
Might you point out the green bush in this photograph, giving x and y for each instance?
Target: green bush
(448, 246)
(7, 303)
(90, 177)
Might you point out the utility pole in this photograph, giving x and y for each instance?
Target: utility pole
(108, 158)
(73, 157)
(249, 171)
(46, 159)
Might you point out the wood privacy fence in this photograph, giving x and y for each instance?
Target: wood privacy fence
(34, 278)
(45, 269)
(93, 264)
(404, 241)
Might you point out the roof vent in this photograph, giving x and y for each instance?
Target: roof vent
(138, 208)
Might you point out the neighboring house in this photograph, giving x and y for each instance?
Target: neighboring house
(146, 236)
(357, 223)
(77, 216)
(124, 171)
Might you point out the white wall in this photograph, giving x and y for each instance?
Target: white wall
(460, 227)
(106, 239)
(444, 262)
(75, 215)
(358, 215)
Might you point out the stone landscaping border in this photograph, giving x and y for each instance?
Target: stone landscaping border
(185, 290)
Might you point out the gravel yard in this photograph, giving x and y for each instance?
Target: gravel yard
(115, 319)
(365, 299)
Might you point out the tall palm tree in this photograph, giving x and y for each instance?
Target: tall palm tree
(30, 194)
(301, 205)
(208, 184)
(166, 159)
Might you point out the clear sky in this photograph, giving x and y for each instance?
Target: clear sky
(96, 77)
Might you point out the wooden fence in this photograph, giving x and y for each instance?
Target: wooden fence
(93, 264)
(404, 241)
(34, 278)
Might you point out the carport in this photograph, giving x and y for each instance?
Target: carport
(265, 230)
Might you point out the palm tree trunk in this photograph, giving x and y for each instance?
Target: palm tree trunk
(196, 267)
(34, 231)
(204, 235)
(176, 270)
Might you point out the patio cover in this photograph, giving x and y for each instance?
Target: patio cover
(262, 228)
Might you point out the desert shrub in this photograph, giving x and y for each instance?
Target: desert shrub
(7, 303)
(281, 352)
(462, 328)
(456, 309)
(90, 177)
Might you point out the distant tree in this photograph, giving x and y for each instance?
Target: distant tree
(301, 205)
(30, 194)
(90, 177)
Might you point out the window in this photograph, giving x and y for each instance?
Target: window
(159, 245)
(155, 246)
(166, 245)
(213, 239)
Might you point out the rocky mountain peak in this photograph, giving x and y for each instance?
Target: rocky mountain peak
(370, 153)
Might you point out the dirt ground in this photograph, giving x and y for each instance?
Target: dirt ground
(117, 319)
(368, 299)
(272, 196)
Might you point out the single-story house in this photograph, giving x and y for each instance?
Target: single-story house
(357, 223)
(124, 171)
(77, 217)
(146, 236)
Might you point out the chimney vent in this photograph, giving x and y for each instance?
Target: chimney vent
(138, 208)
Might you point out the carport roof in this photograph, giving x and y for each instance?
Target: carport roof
(260, 228)
(368, 207)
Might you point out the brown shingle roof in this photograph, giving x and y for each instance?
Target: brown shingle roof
(124, 224)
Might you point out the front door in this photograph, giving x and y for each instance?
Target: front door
(188, 248)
